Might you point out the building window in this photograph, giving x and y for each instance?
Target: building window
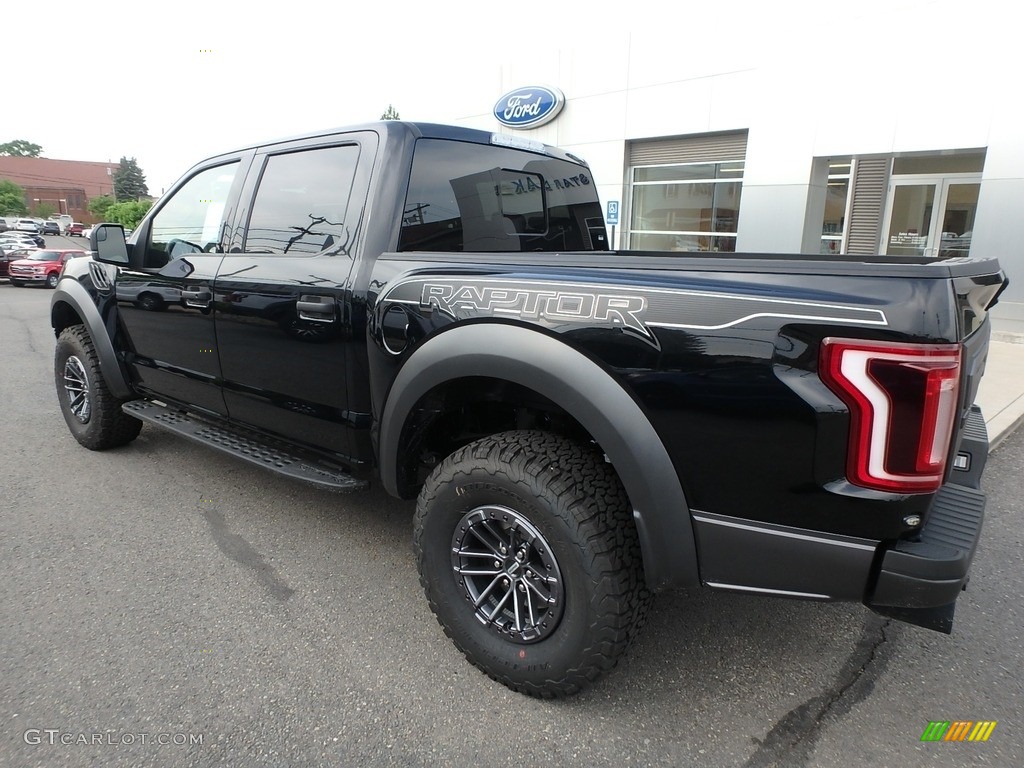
(685, 207)
(837, 196)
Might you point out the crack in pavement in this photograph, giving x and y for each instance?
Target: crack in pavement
(27, 331)
(790, 741)
(239, 550)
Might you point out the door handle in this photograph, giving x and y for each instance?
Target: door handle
(317, 309)
(200, 299)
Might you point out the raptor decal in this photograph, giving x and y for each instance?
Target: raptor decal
(554, 304)
(634, 311)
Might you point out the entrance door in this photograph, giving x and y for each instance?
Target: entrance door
(931, 216)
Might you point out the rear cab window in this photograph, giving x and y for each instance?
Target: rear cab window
(476, 197)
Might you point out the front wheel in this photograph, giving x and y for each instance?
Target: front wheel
(91, 411)
(530, 560)
(51, 280)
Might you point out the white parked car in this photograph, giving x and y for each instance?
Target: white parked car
(152, 296)
(13, 240)
(64, 221)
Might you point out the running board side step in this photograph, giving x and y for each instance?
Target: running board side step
(288, 460)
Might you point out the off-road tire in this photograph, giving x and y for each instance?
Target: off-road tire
(92, 413)
(567, 502)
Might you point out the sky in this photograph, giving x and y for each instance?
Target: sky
(173, 83)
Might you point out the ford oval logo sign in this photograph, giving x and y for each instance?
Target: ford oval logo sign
(529, 107)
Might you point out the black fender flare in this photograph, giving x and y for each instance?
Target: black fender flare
(73, 294)
(589, 394)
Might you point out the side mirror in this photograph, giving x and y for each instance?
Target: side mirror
(108, 244)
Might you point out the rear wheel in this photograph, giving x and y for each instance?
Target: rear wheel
(530, 560)
(150, 302)
(92, 413)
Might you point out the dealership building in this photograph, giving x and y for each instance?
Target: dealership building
(711, 148)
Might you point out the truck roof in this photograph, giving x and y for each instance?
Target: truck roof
(415, 130)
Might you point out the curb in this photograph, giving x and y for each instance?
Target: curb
(997, 441)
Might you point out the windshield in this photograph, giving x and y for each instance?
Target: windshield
(45, 256)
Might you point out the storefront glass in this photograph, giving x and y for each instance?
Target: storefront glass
(932, 203)
(686, 207)
(837, 194)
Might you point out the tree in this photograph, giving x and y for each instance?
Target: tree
(12, 199)
(129, 181)
(20, 148)
(43, 210)
(98, 206)
(128, 213)
(390, 114)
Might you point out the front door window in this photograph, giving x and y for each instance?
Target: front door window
(191, 220)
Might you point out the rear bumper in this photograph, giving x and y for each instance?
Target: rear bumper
(919, 581)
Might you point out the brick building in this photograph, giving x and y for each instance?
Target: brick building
(66, 185)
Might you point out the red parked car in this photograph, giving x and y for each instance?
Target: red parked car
(10, 254)
(43, 266)
(76, 228)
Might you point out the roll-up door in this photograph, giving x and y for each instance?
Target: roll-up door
(684, 192)
(706, 148)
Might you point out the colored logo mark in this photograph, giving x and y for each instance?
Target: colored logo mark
(529, 107)
(958, 730)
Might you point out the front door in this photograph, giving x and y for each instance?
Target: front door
(931, 216)
(165, 298)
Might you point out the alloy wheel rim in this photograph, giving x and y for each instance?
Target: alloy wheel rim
(508, 574)
(76, 384)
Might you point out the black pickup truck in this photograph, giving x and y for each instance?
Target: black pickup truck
(438, 309)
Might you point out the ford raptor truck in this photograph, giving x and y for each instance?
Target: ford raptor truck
(437, 309)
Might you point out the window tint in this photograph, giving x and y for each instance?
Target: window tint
(302, 201)
(191, 220)
(476, 197)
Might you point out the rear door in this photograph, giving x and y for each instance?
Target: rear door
(282, 291)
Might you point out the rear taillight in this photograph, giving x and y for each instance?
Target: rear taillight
(902, 400)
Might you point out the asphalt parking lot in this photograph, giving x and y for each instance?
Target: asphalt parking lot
(165, 605)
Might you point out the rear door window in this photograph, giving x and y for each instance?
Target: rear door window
(302, 201)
